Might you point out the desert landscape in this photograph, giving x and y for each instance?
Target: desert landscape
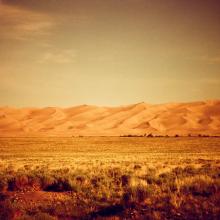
(132, 162)
(183, 119)
(139, 161)
(109, 110)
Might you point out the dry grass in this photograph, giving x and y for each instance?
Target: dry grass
(109, 178)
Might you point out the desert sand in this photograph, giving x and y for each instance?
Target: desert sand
(138, 119)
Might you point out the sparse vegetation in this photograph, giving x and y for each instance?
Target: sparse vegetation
(109, 178)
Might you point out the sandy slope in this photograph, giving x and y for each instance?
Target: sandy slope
(165, 119)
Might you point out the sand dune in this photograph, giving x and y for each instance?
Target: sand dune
(138, 119)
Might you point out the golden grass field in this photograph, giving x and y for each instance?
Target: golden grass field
(110, 178)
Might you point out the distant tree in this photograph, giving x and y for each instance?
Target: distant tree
(150, 135)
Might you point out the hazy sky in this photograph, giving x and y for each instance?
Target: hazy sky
(108, 52)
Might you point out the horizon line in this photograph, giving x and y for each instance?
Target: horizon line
(113, 106)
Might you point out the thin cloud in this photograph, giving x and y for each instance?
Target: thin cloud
(21, 24)
(59, 56)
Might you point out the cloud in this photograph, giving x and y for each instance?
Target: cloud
(22, 20)
(42, 5)
(21, 24)
(63, 56)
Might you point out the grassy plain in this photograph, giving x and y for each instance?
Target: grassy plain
(110, 178)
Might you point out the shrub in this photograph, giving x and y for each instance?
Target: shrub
(137, 167)
(178, 171)
(172, 186)
(18, 183)
(61, 185)
(139, 192)
(80, 179)
(95, 181)
(35, 183)
(12, 184)
(167, 177)
(21, 181)
(125, 180)
(190, 170)
(152, 179)
(46, 181)
(200, 187)
(114, 172)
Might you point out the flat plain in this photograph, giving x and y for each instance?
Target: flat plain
(110, 178)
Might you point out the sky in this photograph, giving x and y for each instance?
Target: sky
(108, 52)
